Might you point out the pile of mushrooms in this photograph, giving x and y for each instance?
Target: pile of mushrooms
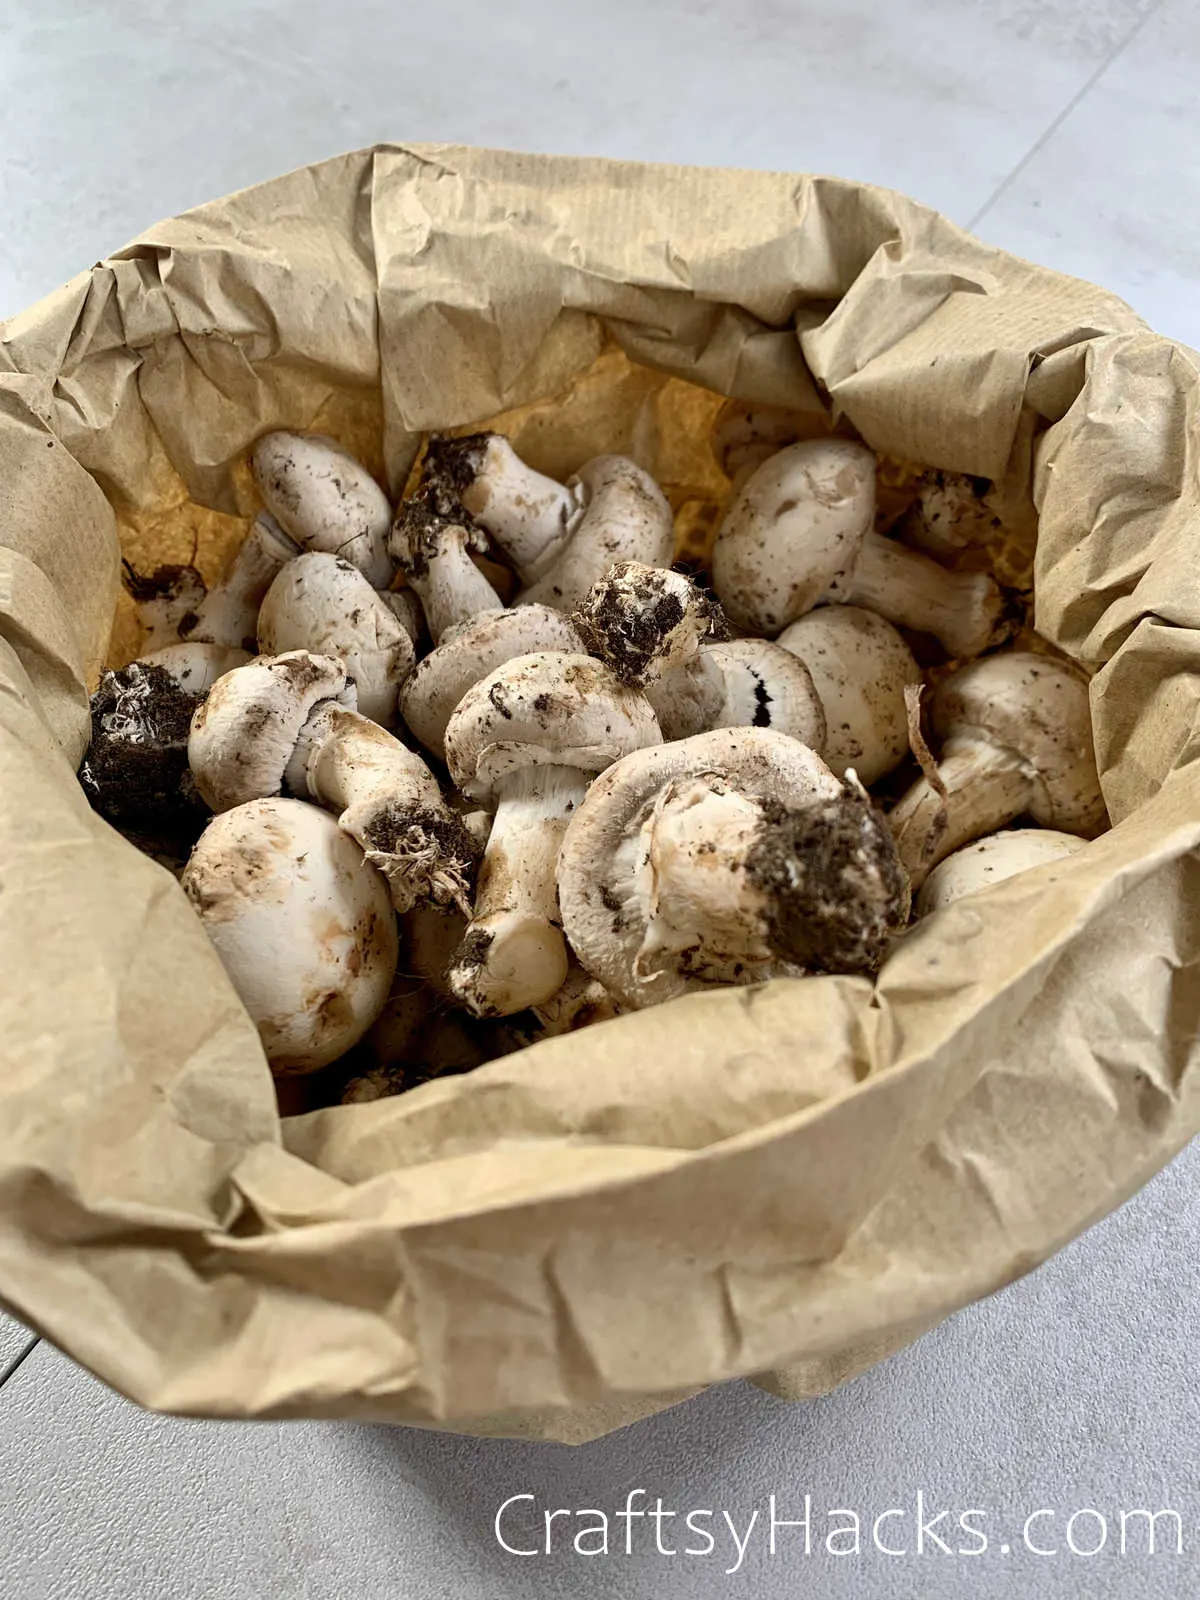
(446, 778)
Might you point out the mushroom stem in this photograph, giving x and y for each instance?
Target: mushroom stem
(162, 600)
(387, 800)
(514, 954)
(688, 699)
(528, 514)
(966, 611)
(433, 551)
(987, 786)
(228, 614)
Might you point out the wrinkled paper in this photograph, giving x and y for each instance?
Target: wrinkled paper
(787, 1182)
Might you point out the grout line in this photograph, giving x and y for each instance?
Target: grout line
(1062, 116)
(16, 1361)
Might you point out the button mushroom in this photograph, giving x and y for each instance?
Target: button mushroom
(173, 605)
(322, 604)
(949, 513)
(653, 628)
(799, 532)
(287, 723)
(744, 435)
(988, 861)
(625, 517)
(469, 652)
(162, 599)
(301, 923)
(529, 515)
(860, 667)
(325, 499)
(527, 738)
(728, 858)
(433, 548)
(560, 537)
(1016, 738)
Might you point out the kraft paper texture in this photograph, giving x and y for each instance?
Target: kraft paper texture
(787, 1182)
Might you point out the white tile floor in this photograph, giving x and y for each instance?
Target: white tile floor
(1070, 130)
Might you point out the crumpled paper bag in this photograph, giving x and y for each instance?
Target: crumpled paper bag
(788, 1181)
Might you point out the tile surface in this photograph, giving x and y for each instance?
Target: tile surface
(1073, 1390)
(112, 117)
(14, 1336)
(1073, 129)
(1112, 196)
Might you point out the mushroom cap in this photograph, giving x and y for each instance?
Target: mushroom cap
(626, 517)
(860, 666)
(602, 876)
(1037, 707)
(469, 652)
(405, 605)
(767, 686)
(744, 434)
(550, 708)
(325, 499)
(196, 667)
(645, 621)
(988, 861)
(303, 927)
(793, 531)
(245, 733)
(323, 604)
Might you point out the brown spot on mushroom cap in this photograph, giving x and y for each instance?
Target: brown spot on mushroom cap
(258, 870)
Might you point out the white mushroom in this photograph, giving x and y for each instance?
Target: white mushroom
(799, 532)
(302, 926)
(625, 517)
(172, 603)
(988, 861)
(860, 667)
(433, 550)
(529, 515)
(135, 771)
(744, 435)
(162, 599)
(228, 614)
(561, 538)
(764, 686)
(325, 499)
(323, 604)
(469, 652)
(287, 723)
(652, 627)
(950, 513)
(728, 858)
(527, 738)
(1016, 738)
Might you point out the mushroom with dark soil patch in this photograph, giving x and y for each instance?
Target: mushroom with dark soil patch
(728, 858)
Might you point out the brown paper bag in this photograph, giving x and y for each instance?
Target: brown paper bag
(792, 1180)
